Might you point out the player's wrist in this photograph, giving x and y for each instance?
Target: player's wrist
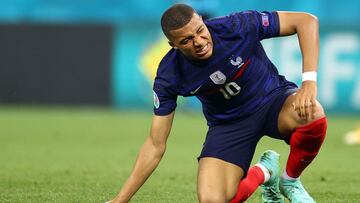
(309, 76)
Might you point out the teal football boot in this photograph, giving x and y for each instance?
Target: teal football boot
(294, 191)
(270, 189)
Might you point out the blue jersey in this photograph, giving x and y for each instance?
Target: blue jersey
(236, 81)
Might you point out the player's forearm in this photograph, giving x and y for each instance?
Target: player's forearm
(146, 162)
(308, 33)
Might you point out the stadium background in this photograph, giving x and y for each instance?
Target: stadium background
(107, 52)
(61, 62)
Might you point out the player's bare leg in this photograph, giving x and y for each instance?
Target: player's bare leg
(217, 180)
(220, 181)
(307, 136)
(289, 119)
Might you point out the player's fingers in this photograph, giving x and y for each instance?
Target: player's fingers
(297, 107)
(302, 109)
(313, 107)
(308, 109)
(305, 109)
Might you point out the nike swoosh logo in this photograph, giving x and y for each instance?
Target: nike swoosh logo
(193, 92)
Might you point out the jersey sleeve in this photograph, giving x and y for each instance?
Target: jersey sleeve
(165, 91)
(263, 25)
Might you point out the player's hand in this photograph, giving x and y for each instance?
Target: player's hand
(305, 100)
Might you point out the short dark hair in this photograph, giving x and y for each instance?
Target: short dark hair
(175, 17)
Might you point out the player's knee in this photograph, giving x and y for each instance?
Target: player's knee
(212, 197)
(318, 112)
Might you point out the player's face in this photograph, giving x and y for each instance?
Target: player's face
(193, 40)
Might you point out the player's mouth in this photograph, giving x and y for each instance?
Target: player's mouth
(204, 50)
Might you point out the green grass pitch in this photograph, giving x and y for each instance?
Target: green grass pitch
(85, 155)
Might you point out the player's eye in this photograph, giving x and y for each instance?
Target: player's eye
(184, 41)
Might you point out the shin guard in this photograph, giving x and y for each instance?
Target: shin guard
(305, 143)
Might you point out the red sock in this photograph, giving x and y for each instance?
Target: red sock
(248, 185)
(305, 143)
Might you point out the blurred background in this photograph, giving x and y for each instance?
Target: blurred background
(106, 52)
(76, 98)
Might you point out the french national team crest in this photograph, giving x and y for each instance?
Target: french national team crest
(218, 77)
(236, 61)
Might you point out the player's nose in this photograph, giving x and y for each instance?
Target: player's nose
(199, 42)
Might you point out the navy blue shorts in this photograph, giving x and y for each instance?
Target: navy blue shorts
(235, 142)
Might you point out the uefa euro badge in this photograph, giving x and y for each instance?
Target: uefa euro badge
(218, 77)
(265, 19)
(156, 100)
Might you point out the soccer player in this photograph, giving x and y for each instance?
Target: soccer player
(222, 62)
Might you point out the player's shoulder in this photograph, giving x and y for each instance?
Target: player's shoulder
(232, 22)
(168, 62)
(168, 69)
(167, 77)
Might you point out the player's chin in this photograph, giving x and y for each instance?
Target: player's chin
(204, 56)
